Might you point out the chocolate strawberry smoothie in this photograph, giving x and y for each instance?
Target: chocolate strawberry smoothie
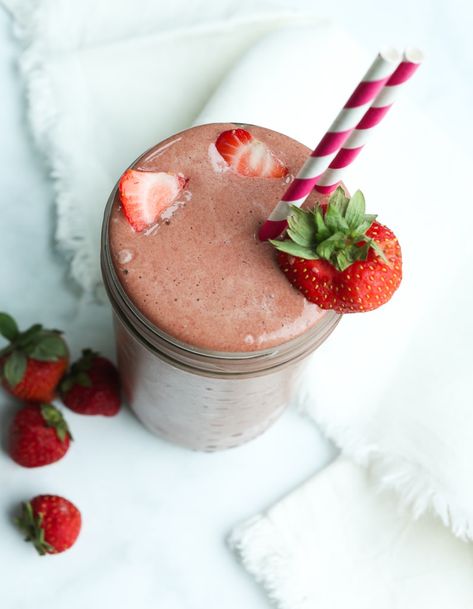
(199, 273)
(211, 337)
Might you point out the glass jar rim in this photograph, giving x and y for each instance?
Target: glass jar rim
(192, 356)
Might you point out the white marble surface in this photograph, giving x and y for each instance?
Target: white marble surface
(155, 516)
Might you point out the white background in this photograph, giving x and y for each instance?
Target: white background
(165, 542)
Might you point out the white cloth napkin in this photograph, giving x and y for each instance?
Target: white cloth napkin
(336, 543)
(106, 81)
(393, 388)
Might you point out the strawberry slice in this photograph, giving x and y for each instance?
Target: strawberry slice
(248, 156)
(144, 195)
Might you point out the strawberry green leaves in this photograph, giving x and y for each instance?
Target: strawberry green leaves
(301, 227)
(8, 327)
(45, 346)
(290, 247)
(355, 210)
(15, 367)
(34, 343)
(78, 374)
(32, 527)
(334, 220)
(336, 233)
(53, 418)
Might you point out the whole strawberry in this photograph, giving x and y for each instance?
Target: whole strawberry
(339, 257)
(50, 522)
(38, 436)
(92, 386)
(33, 362)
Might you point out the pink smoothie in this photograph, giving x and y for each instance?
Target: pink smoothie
(200, 274)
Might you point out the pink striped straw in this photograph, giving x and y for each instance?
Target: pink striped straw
(347, 119)
(331, 177)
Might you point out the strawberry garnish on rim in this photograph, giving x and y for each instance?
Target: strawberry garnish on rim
(248, 156)
(144, 195)
(339, 257)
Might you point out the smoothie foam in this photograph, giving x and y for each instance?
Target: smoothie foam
(200, 274)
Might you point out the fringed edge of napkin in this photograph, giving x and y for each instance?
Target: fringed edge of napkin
(413, 484)
(42, 114)
(257, 545)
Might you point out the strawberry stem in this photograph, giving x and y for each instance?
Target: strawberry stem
(336, 233)
(53, 418)
(34, 343)
(32, 527)
(78, 374)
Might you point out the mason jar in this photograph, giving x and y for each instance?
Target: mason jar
(199, 398)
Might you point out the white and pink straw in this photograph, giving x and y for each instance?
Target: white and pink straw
(331, 177)
(342, 143)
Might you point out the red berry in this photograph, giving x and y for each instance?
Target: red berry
(248, 156)
(38, 436)
(33, 362)
(340, 258)
(144, 195)
(92, 386)
(50, 522)
(39, 381)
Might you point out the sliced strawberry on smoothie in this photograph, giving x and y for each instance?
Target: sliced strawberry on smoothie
(144, 195)
(247, 156)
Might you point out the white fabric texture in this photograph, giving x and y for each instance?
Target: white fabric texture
(373, 555)
(105, 83)
(392, 388)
